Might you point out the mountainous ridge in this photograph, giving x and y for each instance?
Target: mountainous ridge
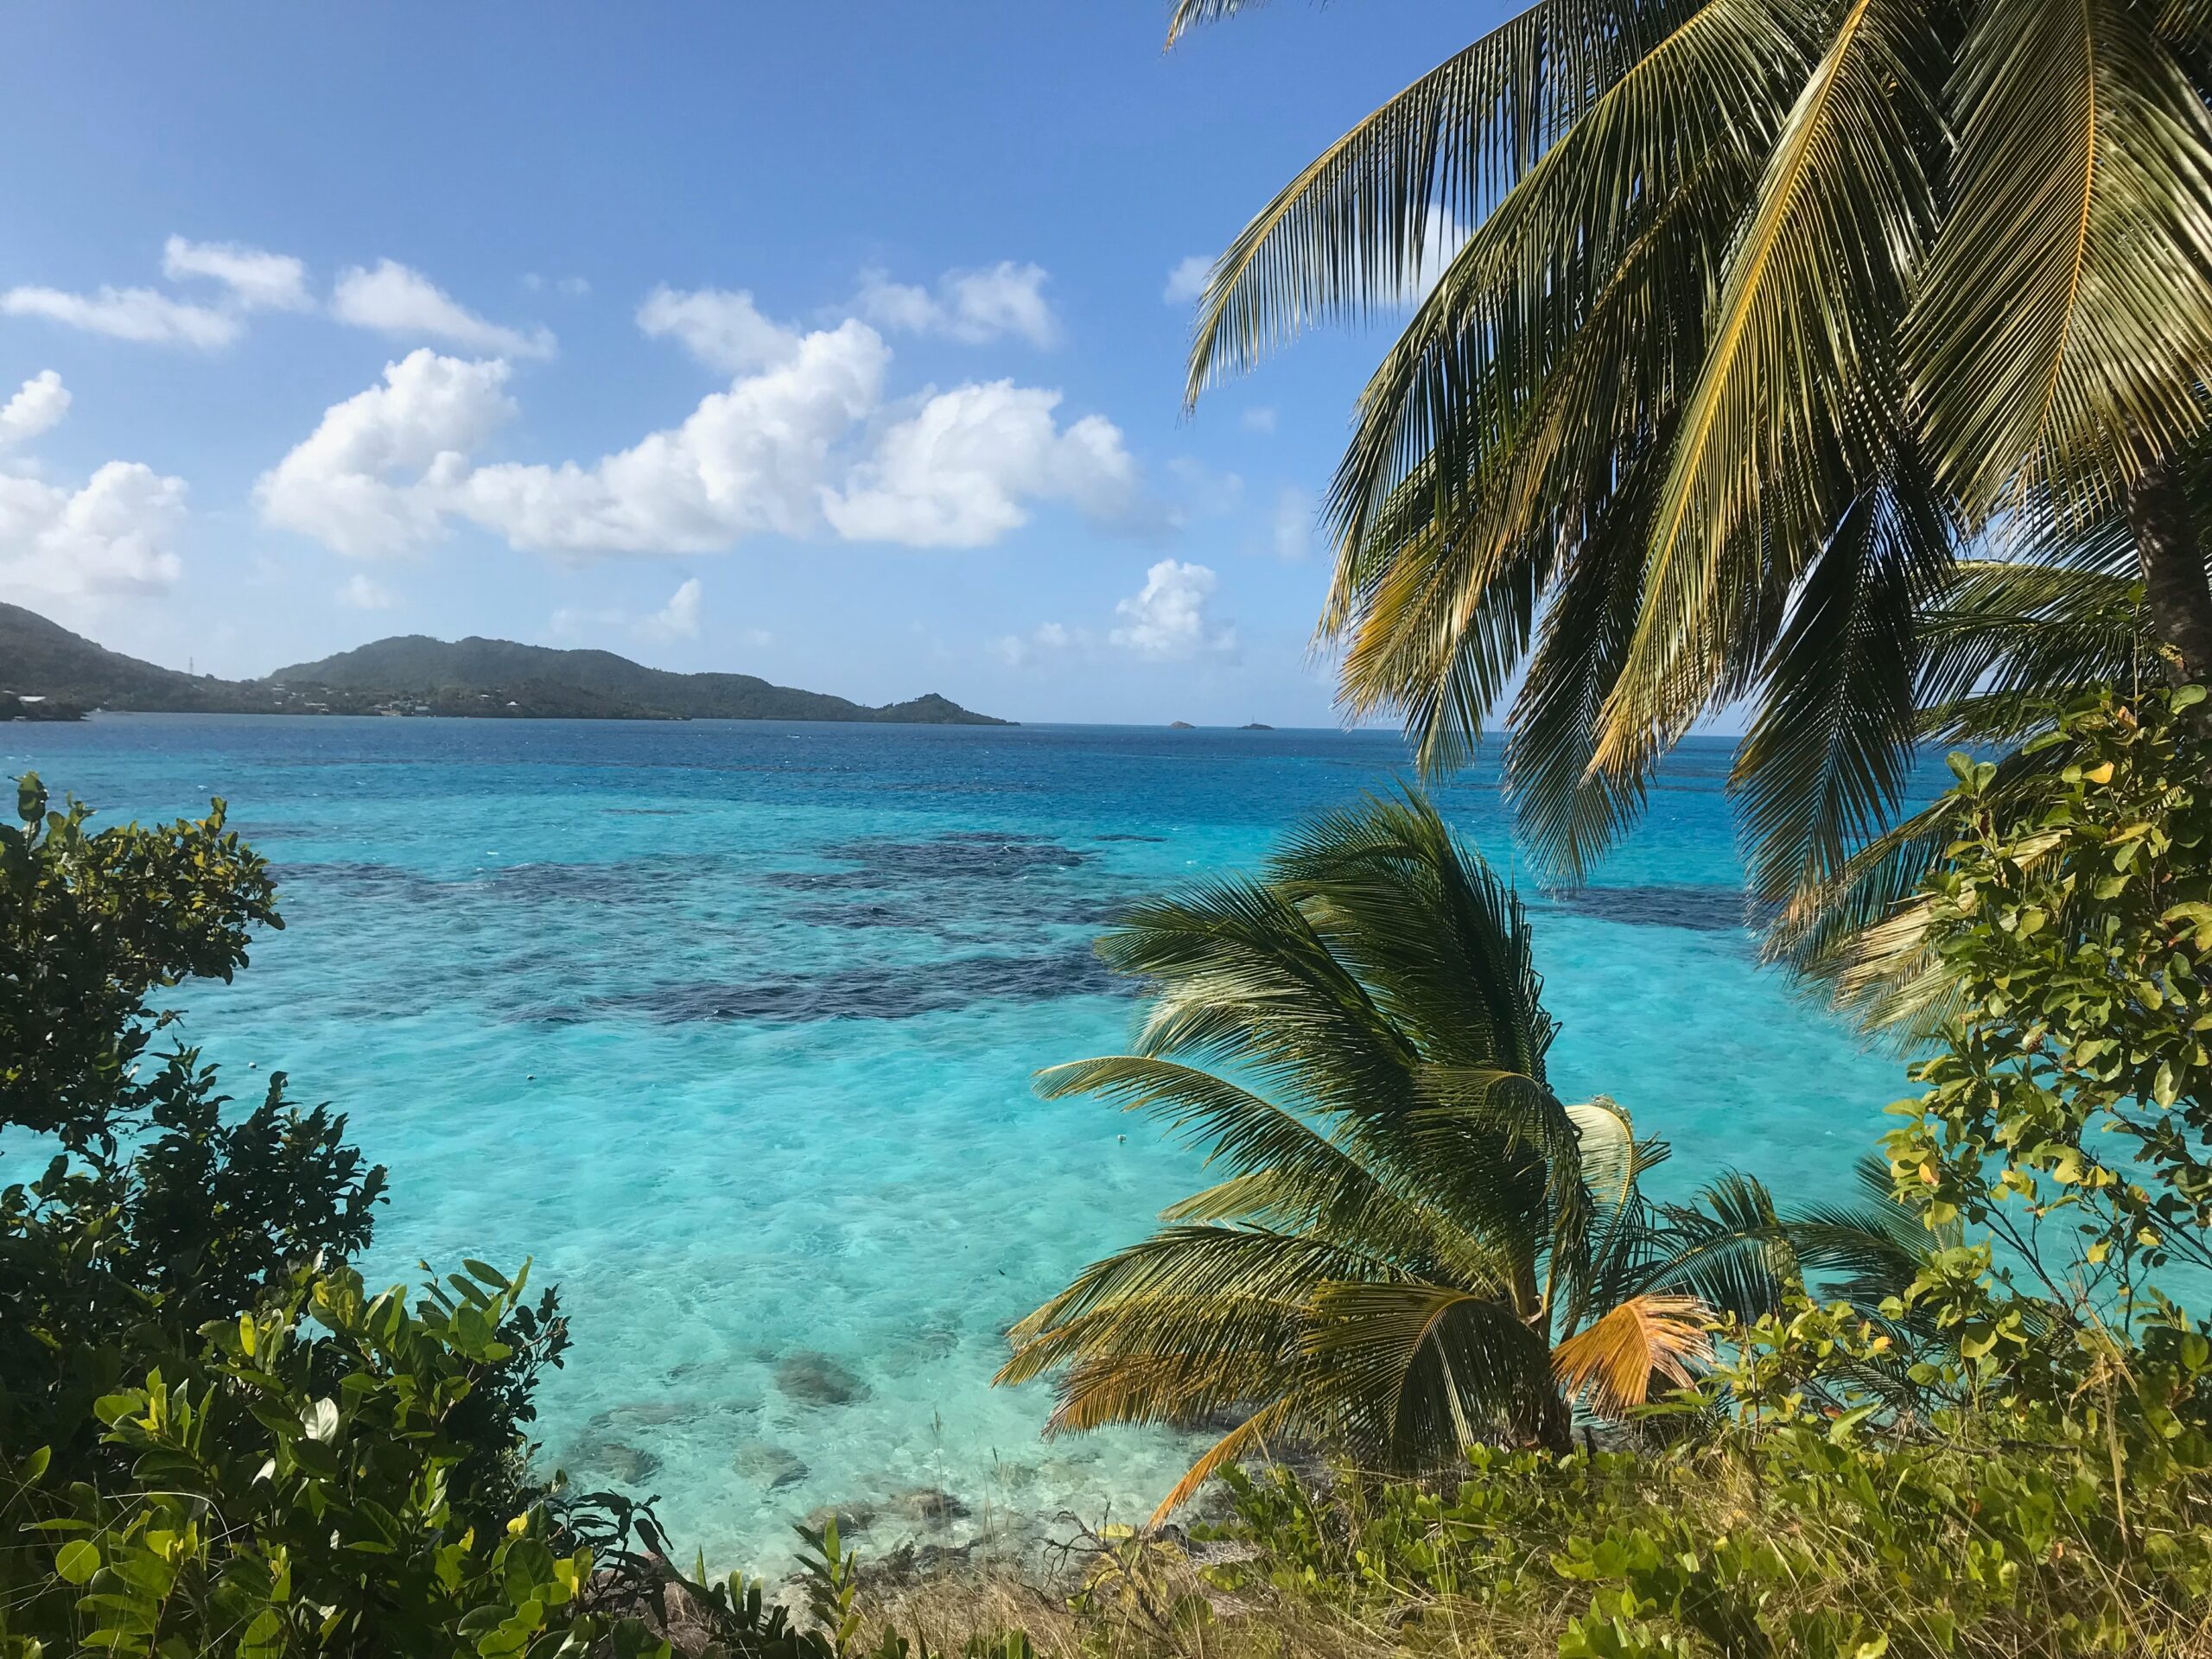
(415, 674)
(417, 662)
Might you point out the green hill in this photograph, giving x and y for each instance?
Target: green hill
(486, 678)
(43, 660)
(416, 662)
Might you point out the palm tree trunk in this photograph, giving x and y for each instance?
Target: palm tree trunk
(2176, 589)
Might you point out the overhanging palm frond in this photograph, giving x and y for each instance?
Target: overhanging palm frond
(1797, 392)
(1827, 757)
(1353, 230)
(2064, 330)
(1189, 14)
(2006, 632)
(1859, 934)
(1643, 170)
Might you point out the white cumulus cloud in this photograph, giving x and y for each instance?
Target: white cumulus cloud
(959, 472)
(1167, 617)
(747, 460)
(974, 305)
(721, 327)
(133, 314)
(110, 536)
(257, 279)
(37, 407)
(1186, 280)
(395, 299)
(376, 474)
(801, 443)
(679, 617)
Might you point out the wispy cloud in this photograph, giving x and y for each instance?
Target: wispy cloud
(397, 300)
(998, 302)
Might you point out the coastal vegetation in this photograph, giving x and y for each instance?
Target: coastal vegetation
(1972, 1420)
(1419, 1248)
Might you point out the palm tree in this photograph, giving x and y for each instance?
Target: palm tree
(1764, 314)
(1417, 1246)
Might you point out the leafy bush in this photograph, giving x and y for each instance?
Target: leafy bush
(1794, 1540)
(212, 1437)
(2069, 1110)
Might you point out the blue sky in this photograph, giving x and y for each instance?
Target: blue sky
(827, 342)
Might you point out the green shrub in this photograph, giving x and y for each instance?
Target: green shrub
(212, 1438)
(1792, 1540)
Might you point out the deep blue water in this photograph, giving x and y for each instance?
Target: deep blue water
(730, 1025)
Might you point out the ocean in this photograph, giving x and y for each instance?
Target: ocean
(728, 1028)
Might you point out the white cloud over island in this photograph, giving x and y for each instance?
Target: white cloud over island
(802, 442)
(111, 535)
(1167, 618)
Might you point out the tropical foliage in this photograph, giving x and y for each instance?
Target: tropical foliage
(1785, 1540)
(1843, 356)
(2068, 1113)
(1419, 1247)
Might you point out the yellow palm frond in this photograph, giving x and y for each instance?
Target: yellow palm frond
(1610, 1362)
(1247, 1436)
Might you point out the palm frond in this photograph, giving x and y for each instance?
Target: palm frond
(1791, 413)
(2064, 330)
(1858, 935)
(1413, 1374)
(1249, 1436)
(1727, 1247)
(1682, 129)
(1611, 1363)
(1439, 942)
(1827, 759)
(1868, 1250)
(1353, 231)
(2005, 641)
(1202, 1291)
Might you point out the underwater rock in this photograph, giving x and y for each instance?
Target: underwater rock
(1695, 909)
(849, 1518)
(814, 1379)
(598, 1452)
(931, 1506)
(644, 1413)
(774, 1466)
(919, 1347)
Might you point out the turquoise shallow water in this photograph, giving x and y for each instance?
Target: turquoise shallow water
(729, 1028)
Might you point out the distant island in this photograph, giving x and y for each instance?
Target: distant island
(1255, 726)
(1180, 726)
(47, 673)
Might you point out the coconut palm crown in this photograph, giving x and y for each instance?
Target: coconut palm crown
(1417, 1245)
(1747, 336)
